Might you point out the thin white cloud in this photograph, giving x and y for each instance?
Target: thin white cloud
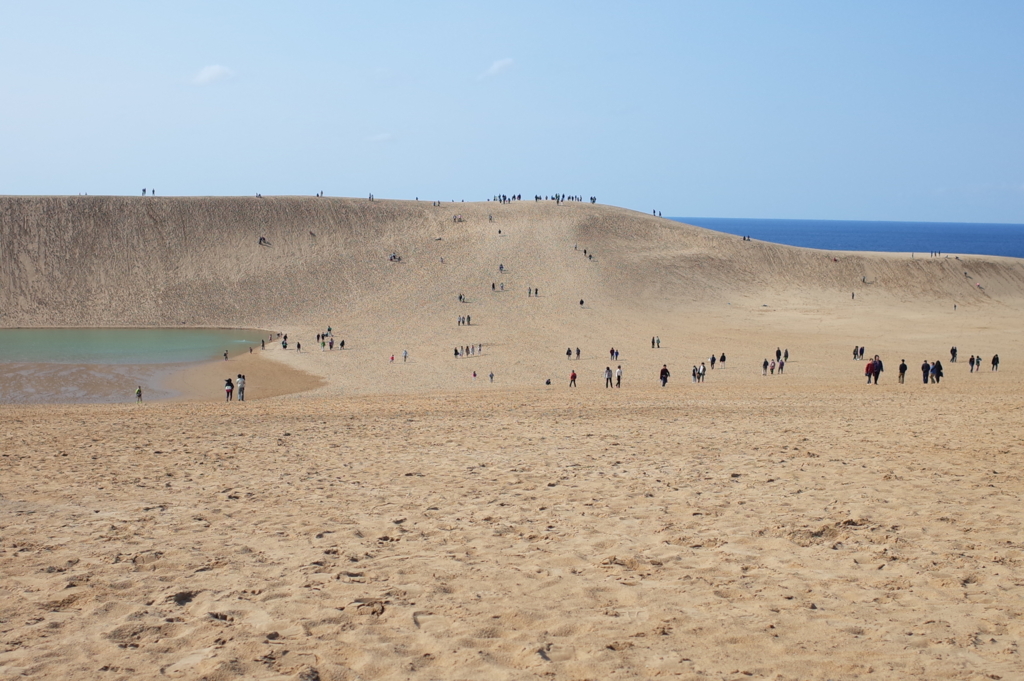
(382, 137)
(211, 74)
(496, 68)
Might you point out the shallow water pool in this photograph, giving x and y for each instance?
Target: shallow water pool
(124, 346)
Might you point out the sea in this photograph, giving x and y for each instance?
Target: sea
(961, 238)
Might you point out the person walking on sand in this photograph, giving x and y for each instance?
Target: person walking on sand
(782, 366)
(138, 395)
(702, 371)
(664, 374)
(971, 363)
(877, 368)
(952, 354)
(925, 370)
(785, 354)
(693, 374)
(618, 377)
(764, 367)
(903, 370)
(869, 369)
(995, 362)
(607, 377)
(577, 353)
(855, 349)
(263, 344)
(491, 376)
(713, 360)
(405, 355)
(568, 354)
(771, 368)
(778, 354)
(240, 384)
(229, 389)
(572, 379)
(225, 355)
(658, 340)
(652, 342)
(938, 371)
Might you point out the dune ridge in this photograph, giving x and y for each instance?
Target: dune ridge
(108, 261)
(198, 261)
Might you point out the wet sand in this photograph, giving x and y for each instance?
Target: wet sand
(29, 383)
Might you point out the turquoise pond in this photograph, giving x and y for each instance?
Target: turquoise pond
(124, 346)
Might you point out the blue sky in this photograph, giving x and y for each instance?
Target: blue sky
(829, 110)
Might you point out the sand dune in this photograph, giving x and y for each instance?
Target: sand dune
(405, 521)
(197, 261)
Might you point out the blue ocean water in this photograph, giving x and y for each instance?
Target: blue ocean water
(900, 237)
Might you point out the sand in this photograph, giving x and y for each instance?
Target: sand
(404, 520)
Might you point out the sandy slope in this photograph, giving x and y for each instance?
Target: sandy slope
(407, 521)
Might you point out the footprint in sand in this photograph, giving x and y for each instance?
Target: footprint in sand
(557, 652)
(430, 623)
(189, 662)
